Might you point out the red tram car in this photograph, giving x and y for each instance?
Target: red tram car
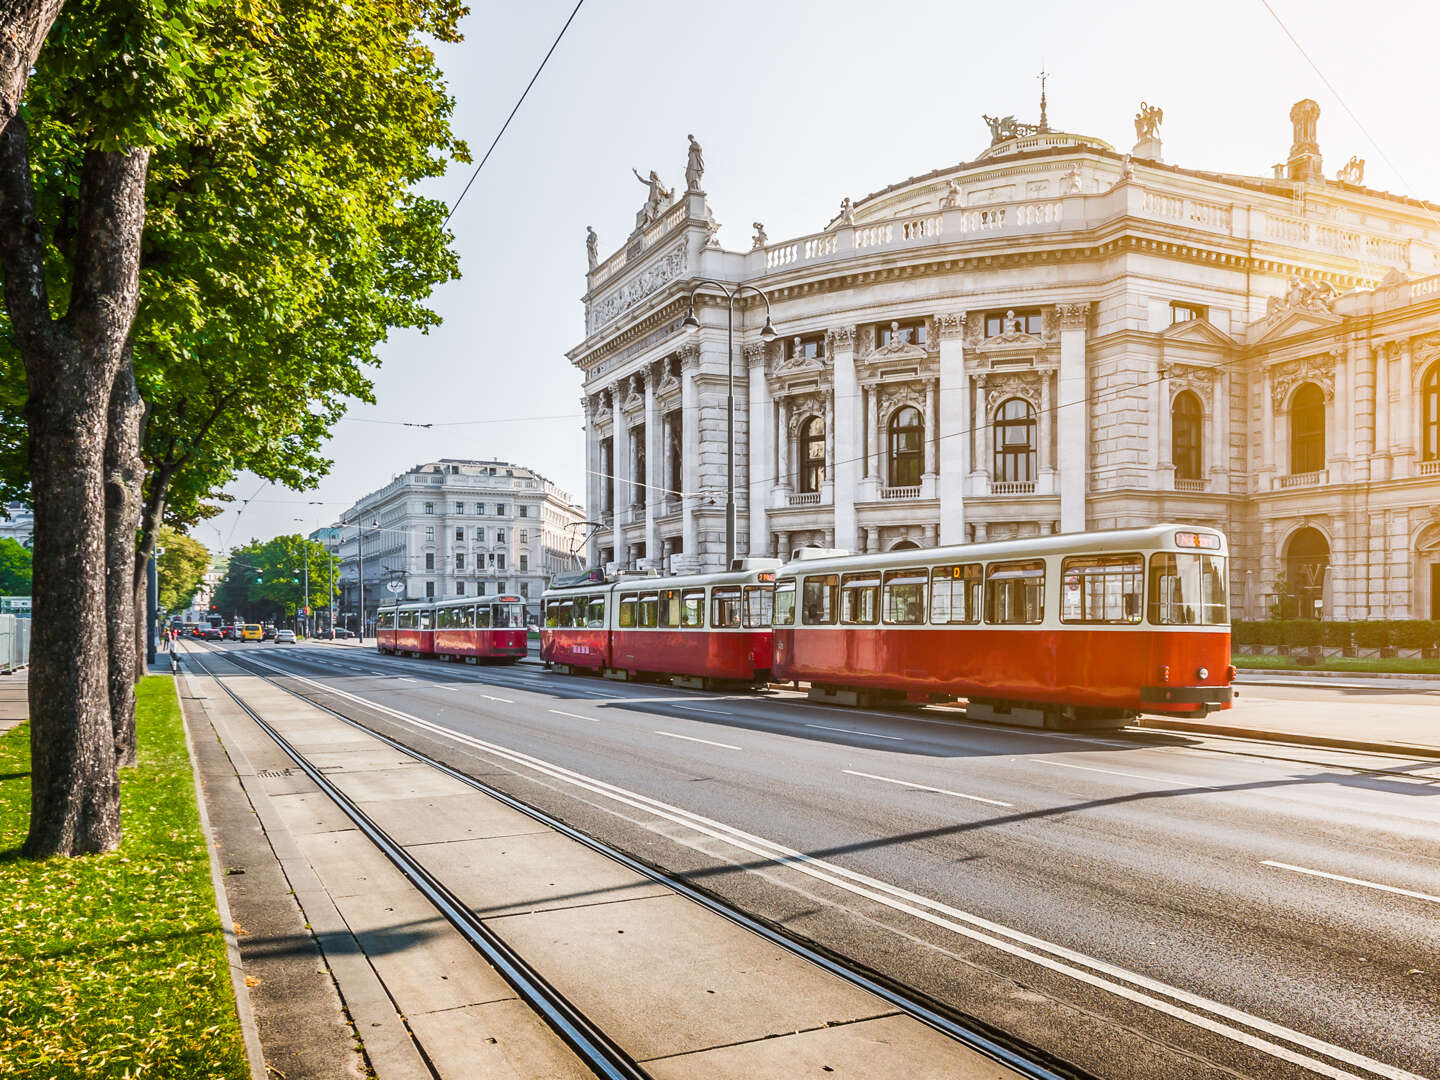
(702, 629)
(1078, 629)
(470, 628)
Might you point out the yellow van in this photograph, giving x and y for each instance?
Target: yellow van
(252, 632)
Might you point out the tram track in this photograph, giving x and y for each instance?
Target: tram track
(598, 1051)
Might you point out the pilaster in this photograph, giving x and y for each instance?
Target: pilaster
(619, 463)
(1380, 463)
(844, 418)
(757, 456)
(1074, 415)
(690, 450)
(654, 465)
(953, 427)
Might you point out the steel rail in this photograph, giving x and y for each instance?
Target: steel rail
(601, 1054)
(1024, 1058)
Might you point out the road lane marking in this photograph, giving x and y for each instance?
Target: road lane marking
(1101, 974)
(1112, 772)
(691, 738)
(927, 787)
(576, 716)
(492, 697)
(1352, 880)
(855, 731)
(701, 708)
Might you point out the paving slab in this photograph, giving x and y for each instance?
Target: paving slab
(439, 819)
(501, 1040)
(347, 863)
(311, 812)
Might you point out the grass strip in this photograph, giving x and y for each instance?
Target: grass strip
(1394, 665)
(114, 965)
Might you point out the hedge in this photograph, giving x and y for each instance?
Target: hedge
(1338, 633)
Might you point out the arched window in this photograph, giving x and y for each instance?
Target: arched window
(812, 454)
(1430, 415)
(904, 545)
(1186, 423)
(1307, 556)
(1307, 429)
(907, 447)
(1015, 442)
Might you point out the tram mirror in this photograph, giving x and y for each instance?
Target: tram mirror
(1132, 605)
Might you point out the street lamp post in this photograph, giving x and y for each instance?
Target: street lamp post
(692, 326)
(360, 549)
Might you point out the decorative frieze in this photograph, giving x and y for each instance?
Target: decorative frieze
(950, 325)
(754, 353)
(1284, 378)
(1000, 387)
(840, 337)
(1073, 316)
(658, 274)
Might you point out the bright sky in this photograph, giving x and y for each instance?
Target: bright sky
(798, 104)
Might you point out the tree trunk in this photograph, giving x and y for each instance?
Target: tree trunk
(152, 512)
(122, 511)
(71, 365)
(23, 26)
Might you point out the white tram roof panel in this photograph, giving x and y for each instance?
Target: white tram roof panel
(1145, 538)
(749, 575)
(456, 601)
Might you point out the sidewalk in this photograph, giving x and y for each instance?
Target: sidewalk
(14, 699)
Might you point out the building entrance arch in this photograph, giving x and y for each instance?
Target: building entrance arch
(1307, 557)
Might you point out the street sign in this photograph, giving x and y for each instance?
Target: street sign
(395, 586)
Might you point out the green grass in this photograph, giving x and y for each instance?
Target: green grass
(1340, 663)
(114, 965)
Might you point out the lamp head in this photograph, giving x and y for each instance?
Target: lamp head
(691, 325)
(768, 333)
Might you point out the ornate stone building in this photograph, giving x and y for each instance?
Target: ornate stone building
(1052, 336)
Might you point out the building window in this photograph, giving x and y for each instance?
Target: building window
(1186, 423)
(1307, 429)
(480, 534)
(907, 447)
(524, 511)
(460, 535)
(1015, 443)
(500, 586)
(500, 561)
(524, 536)
(607, 475)
(1017, 320)
(459, 588)
(429, 560)
(499, 509)
(524, 588)
(812, 454)
(459, 560)
(639, 488)
(429, 534)
(1430, 415)
(1180, 312)
(675, 433)
(480, 509)
(459, 508)
(902, 332)
(524, 563)
(429, 590)
(805, 347)
(499, 536)
(430, 508)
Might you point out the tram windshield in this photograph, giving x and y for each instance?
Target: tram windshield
(507, 616)
(759, 602)
(1188, 590)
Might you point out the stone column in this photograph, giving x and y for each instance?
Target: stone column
(654, 466)
(1220, 435)
(690, 448)
(872, 431)
(1045, 465)
(1404, 428)
(828, 487)
(1267, 432)
(953, 428)
(1164, 432)
(782, 450)
(1344, 419)
(1362, 372)
(668, 480)
(985, 432)
(782, 545)
(757, 454)
(1074, 415)
(619, 459)
(932, 430)
(844, 415)
(592, 477)
(1380, 469)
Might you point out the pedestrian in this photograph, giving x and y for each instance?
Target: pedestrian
(174, 652)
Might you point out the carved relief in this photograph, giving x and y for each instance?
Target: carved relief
(898, 350)
(841, 337)
(689, 356)
(1190, 377)
(1000, 388)
(950, 324)
(892, 398)
(801, 408)
(754, 353)
(1073, 316)
(1284, 378)
(663, 271)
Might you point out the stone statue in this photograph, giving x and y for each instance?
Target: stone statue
(761, 240)
(951, 198)
(1128, 170)
(694, 167)
(847, 211)
(658, 199)
(1010, 324)
(1353, 172)
(1001, 127)
(1147, 122)
(1070, 182)
(712, 231)
(592, 247)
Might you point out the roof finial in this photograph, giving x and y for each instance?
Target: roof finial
(1044, 123)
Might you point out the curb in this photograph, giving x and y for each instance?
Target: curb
(1154, 723)
(245, 1012)
(1293, 673)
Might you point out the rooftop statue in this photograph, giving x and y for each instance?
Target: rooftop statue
(1007, 127)
(1147, 121)
(847, 211)
(761, 240)
(658, 199)
(1353, 172)
(951, 198)
(694, 167)
(592, 247)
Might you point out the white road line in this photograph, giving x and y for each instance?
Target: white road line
(927, 787)
(691, 738)
(1134, 987)
(492, 697)
(1352, 880)
(701, 708)
(855, 731)
(1112, 772)
(575, 716)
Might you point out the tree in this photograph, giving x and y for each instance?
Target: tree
(15, 568)
(181, 567)
(268, 579)
(23, 26)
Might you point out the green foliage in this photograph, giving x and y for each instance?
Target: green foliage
(1415, 633)
(180, 568)
(1343, 663)
(1301, 632)
(15, 564)
(114, 965)
(1372, 634)
(266, 580)
(1337, 633)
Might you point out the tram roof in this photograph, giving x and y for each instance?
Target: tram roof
(455, 601)
(640, 582)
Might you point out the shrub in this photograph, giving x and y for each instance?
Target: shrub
(1244, 632)
(1414, 633)
(1305, 632)
(1269, 632)
(1336, 633)
(1372, 634)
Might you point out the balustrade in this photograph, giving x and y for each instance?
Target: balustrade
(818, 247)
(1429, 468)
(874, 235)
(1182, 484)
(1013, 487)
(781, 255)
(1306, 479)
(803, 498)
(892, 493)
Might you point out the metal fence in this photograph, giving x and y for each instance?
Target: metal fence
(14, 643)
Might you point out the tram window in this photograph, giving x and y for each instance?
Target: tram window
(482, 617)
(627, 611)
(552, 613)
(759, 603)
(859, 596)
(1188, 590)
(567, 614)
(669, 607)
(955, 593)
(447, 618)
(470, 618)
(649, 610)
(692, 608)
(407, 620)
(905, 596)
(1015, 592)
(594, 613)
(1102, 588)
(427, 619)
(820, 599)
(784, 609)
(725, 608)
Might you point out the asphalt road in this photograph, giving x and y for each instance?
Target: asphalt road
(1147, 906)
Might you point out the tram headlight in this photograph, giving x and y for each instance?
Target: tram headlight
(1203, 673)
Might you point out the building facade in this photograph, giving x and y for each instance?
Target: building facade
(457, 528)
(1050, 337)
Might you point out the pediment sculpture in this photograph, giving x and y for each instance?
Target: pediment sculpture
(897, 349)
(1011, 334)
(1285, 377)
(1302, 295)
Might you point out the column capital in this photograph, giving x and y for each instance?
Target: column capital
(689, 355)
(1073, 316)
(950, 325)
(754, 353)
(840, 337)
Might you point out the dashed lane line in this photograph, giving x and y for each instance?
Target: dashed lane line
(1351, 880)
(856, 731)
(927, 787)
(692, 738)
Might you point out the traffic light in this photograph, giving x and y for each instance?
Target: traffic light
(259, 579)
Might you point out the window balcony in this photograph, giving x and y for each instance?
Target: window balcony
(890, 494)
(1181, 484)
(1304, 479)
(1013, 487)
(803, 498)
(1428, 468)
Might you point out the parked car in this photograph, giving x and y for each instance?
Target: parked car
(284, 637)
(267, 633)
(209, 633)
(251, 632)
(341, 632)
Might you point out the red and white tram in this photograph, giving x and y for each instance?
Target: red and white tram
(702, 629)
(1078, 629)
(473, 628)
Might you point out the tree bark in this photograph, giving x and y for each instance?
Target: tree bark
(23, 27)
(154, 488)
(71, 365)
(122, 511)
